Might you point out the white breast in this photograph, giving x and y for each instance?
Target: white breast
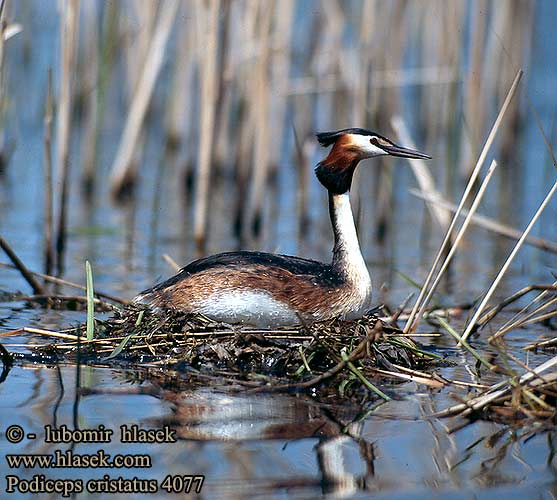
(251, 307)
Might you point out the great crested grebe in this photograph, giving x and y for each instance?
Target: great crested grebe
(264, 289)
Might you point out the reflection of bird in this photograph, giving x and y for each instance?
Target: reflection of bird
(264, 289)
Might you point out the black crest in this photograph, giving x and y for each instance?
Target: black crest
(328, 138)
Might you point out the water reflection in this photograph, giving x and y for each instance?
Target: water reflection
(274, 444)
(207, 414)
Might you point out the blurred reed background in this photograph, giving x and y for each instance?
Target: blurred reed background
(187, 127)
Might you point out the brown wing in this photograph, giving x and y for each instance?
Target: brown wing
(304, 284)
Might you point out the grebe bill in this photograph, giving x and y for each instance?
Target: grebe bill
(268, 290)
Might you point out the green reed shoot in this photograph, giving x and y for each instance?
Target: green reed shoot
(90, 302)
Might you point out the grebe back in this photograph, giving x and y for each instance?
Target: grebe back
(266, 290)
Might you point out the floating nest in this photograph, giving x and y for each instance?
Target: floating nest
(334, 359)
(336, 355)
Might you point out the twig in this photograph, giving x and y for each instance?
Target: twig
(41, 331)
(90, 77)
(60, 281)
(16, 297)
(324, 376)
(35, 285)
(394, 317)
(519, 315)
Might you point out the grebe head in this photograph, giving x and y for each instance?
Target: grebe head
(351, 145)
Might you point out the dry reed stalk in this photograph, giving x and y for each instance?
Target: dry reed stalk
(508, 48)
(69, 22)
(384, 102)
(363, 65)
(439, 59)
(171, 262)
(140, 21)
(457, 240)
(303, 154)
(414, 376)
(493, 67)
(262, 116)
(526, 319)
(177, 123)
(541, 344)
(48, 186)
(465, 345)
(20, 266)
(489, 315)
(540, 318)
(378, 80)
(243, 153)
(488, 223)
(242, 137)
(464, 197)
(41, 331)
(280, 59)
(479, 310)
(221, 147)
(123, 171)
(526, 307)
(421, 173)
(207, 40)
(475, 98)
(91, 84)
(356, 66)
(7, 31)
(3, 39)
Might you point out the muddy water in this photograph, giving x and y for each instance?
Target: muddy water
(265, 445)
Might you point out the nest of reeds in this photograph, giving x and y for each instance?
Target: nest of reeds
(337, 354)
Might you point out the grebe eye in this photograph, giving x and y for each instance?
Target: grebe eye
(380, 143)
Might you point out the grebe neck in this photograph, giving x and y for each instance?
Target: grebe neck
(347, 257)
